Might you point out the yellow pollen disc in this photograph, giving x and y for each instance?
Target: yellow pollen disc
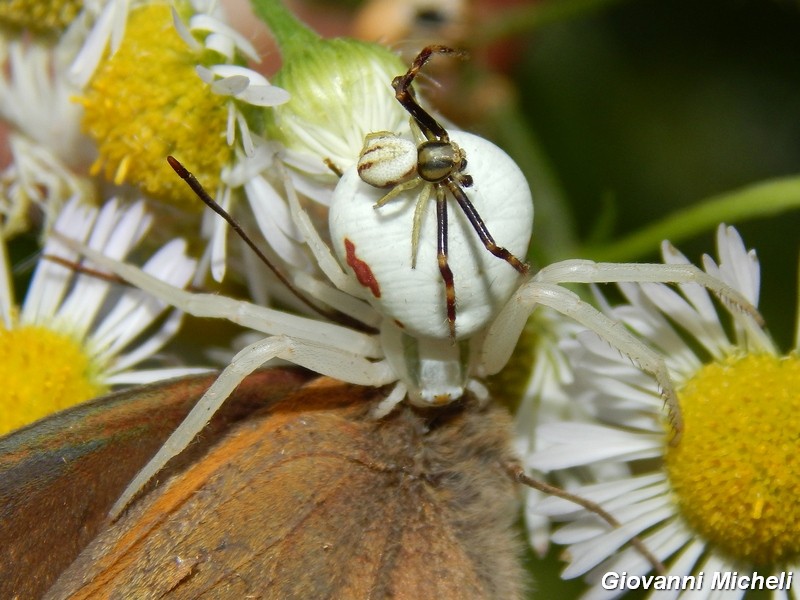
(39, 16)
(735, 472)
(41, 372)
(147, 102)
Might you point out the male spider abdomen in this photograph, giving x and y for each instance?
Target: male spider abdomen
(414, 298)
(382, 150)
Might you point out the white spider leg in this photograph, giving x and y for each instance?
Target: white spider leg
(326, 360)
(419, 210)
(352, 307)
(398, 189)
(259, 318)
(502, 336)
(480, 391)
(322, 254)
(419, 137)
(587, 271)
(388, 404)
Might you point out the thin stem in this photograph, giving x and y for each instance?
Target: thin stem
(765, 199)
(290, 33)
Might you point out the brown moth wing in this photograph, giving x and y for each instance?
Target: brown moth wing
(315, 499)
(60, 475)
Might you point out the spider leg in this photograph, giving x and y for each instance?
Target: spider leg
(405, 96)
(480, 228)
(259, 318)
(396, 190)
(586, 271)
(418, 212)
(317, 357)
(506, 329)
(441, 255)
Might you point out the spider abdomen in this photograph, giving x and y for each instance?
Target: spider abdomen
(387, 159)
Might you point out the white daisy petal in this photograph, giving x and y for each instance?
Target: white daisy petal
(230, 86)
(599, 492)
(271, 219)
(145, 376)
(205, 22)
(586, 555)
(592, 444)
(183, 31)
(51, 280)
(696, 294)
(686, 329)
(264, 95)
(85, 63)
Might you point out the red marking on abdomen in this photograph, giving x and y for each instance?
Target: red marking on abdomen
(361, 269)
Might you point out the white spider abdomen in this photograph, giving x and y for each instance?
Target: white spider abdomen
(374, 244)
(387, 159)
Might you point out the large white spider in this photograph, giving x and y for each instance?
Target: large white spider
(402, 337)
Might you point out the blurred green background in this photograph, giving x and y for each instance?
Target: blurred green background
(647, 107)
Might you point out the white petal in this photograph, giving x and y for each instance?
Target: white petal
(600, 493)
(144, 376)
(50, 281)
(265, 95)
(225, 70)
(230, 86)
(221, 44)
(208, 23)
(591, 443)
(183, 31)
(588, 554)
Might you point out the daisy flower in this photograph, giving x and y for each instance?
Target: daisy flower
(147, 100)
(75, 335)
(718, 502)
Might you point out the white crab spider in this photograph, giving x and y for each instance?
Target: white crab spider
(428, 371)
(438, 164)
(421, 364)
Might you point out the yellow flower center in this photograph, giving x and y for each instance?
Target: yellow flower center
(146, 102)
(735, 471)
(42, 371)
(38, 16)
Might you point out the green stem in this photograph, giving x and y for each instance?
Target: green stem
(290, 33)
(528, 17)
(760, 200)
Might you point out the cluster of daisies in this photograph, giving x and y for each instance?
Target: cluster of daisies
(97, 94)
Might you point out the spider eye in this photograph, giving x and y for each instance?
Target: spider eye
(437, 160)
